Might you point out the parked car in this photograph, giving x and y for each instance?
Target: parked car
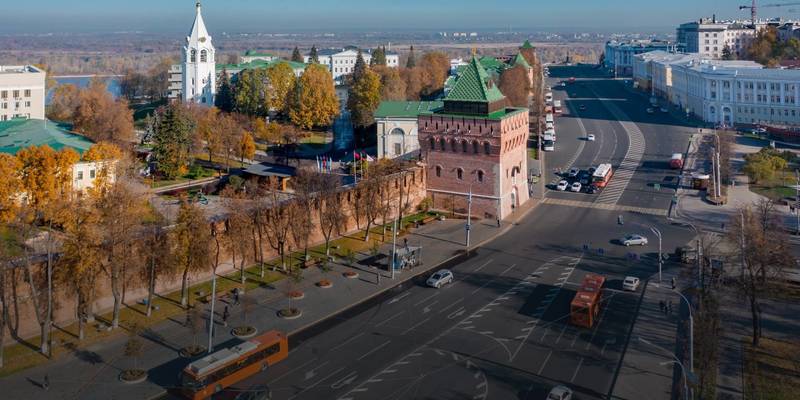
(573, 172)
(590, 137)
(633, 240)
(560, 393)
(650, 110)
(592, 189)
(664, 110)
(631, 283)
(576, 187)
(583, 177)
(549, 145)
(440, 278)
(562, 186)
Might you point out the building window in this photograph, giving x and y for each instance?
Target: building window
(80, 175)
(91, 173)
(27, 104)
(16, 94)
(438, 171)
(475, 147)
(4, 94)
(460, 174)
(480, 176)
(193, 57)
(464, 146)
(487, 148)
(443, 144)
(203, 56)
(397, 149)
(27, 93)
(433, 143)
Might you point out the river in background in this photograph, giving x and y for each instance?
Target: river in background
(83, 81)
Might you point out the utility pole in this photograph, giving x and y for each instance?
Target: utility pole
(797, 199)
(469, 214)
(211, 315)
(660, 260)
(394, 246)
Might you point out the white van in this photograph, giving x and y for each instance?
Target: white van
(549, 118)
(550, 133)
(549, 145)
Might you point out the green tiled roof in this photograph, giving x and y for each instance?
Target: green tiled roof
(520, 60)
(496, 116)
(254, 53)
(18, 134)
(474, 84)
(259, 64)
(527, 45)
(405, 109)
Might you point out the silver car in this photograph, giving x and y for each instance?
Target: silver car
(440, 278)
(633, 240)
(560, 393)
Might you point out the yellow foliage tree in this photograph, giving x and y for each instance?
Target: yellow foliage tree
(45, 175)
(106, 155)
(281, 80)
(247, 147)
(313, 101)
(9, 170)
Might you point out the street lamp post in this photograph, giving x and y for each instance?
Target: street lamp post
(674, 361)
(660, 259)
(469, 214)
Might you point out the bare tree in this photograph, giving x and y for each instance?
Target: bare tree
(158, 258)
(280, 217)
(329, 210)
(191, 240)
(238, 228)
(306, 185)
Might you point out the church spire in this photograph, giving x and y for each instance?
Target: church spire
(199, 32)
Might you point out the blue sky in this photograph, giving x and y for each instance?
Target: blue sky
(271, 15)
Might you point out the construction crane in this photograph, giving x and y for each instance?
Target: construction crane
(753, 7)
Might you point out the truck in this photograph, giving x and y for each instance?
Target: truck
(676, 162)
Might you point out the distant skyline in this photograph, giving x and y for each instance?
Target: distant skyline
(175, 16)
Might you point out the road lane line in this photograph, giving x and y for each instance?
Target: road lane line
(373, 350)
(414, 326)
(482, 265)
(294, 369)
(451, 305)
(576, 371)
(426, 299)
(599, 321)
(398, 298)
(347, 341)
(389, 319)
(316, 383)
(561, 334)
(544, 363)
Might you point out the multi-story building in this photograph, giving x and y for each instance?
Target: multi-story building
(199, 78)
(342, 61)
(22, 92)
(397, 129)
(474, 147)
(709, 37)
(252, 55)
(619, 55)
(726, 92)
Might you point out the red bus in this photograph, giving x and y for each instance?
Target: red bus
(602, 174)
(215, 372)
(586, 304)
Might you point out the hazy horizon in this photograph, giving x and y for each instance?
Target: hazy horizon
(235, 16)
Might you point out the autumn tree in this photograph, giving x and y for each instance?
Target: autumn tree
(280, 216)
(100, 117)
(157, 262)
(413, 80)
(172, 141)
(378, 56)
(393, 86)
(313, 101)
(230, 134)
(10, 167)
(206, 122)
(514, 84)
(63, 103)
(252, 93)
(191, 238)
(306, 185)
(107, 156)
(364, 97)
(313, 57)
(368, 204)
(246, 148)
(268, 132)
(411, 62)
(435, 67)
(238, 227)
(45, 175)
(224, 99)
(131, 84)
(296, 56)
(281, 81)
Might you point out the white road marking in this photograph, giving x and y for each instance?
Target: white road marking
(426, 299)
(451, 305)
(411, 328)
(389, 319)
(428, 308)
(576, 370)
(546, 359)
(348, 379)
(491, 280)
(482, 265)
(373, 350)
(294, 369)
(561, 334)
(316, 383)
(398, 298)
(312, 372)
(347, 341)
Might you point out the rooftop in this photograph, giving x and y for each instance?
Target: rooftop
(18, 69)
(494, 116)
(473, 84)
(18, 134)
(255, 53)
(260, 64)
(405, 109)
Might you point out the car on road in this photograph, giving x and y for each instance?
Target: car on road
(440, 278)
(562, 186)
(590, 137)
(633, 240)
(573, 172)
(583, 177)
(592, 189)
(560, 393)
(631, 283)
(549, 145)
(576, 187)
(664, 110)
(650, 110)
(582, 107)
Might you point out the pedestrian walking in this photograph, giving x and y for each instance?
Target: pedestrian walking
(498, 222)
(669, 307)
(619, 220)
(236, 296)
(225, 315)
(405, 242)
(661, 305)
(46, 382)
(673, 283)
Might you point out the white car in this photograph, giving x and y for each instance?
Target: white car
(664, 110)
(576, 187)
(632, 240)
(573, 172)
(590, 137)
(549, 146)
(560, 393)
(562, 186)
(440, 278)
(650, 110)
(631, 283)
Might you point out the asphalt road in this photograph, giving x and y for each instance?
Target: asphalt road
(501, 330)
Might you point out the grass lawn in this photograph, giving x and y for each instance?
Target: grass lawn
(197, 172)
(772, 371)
(142, 110)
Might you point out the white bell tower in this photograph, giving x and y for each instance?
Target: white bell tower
(199, 64)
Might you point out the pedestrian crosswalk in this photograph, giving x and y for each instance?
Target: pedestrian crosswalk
(604, 206)
(622, 176)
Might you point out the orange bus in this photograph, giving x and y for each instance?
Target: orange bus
(215, 372)
(586, 304)
(602, 174)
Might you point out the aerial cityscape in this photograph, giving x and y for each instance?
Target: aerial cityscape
(376, 200)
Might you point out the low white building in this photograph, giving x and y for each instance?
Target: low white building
(22, 92)
(619, 55)
(342, 61)
(709, 37)
(724, 92)
(397, 126)
(252, 55)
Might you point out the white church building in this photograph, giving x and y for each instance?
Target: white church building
(199, 77)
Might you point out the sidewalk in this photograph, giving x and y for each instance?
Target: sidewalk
(91, 373)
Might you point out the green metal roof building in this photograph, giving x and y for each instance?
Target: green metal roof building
(18, 134)
(405, 109)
